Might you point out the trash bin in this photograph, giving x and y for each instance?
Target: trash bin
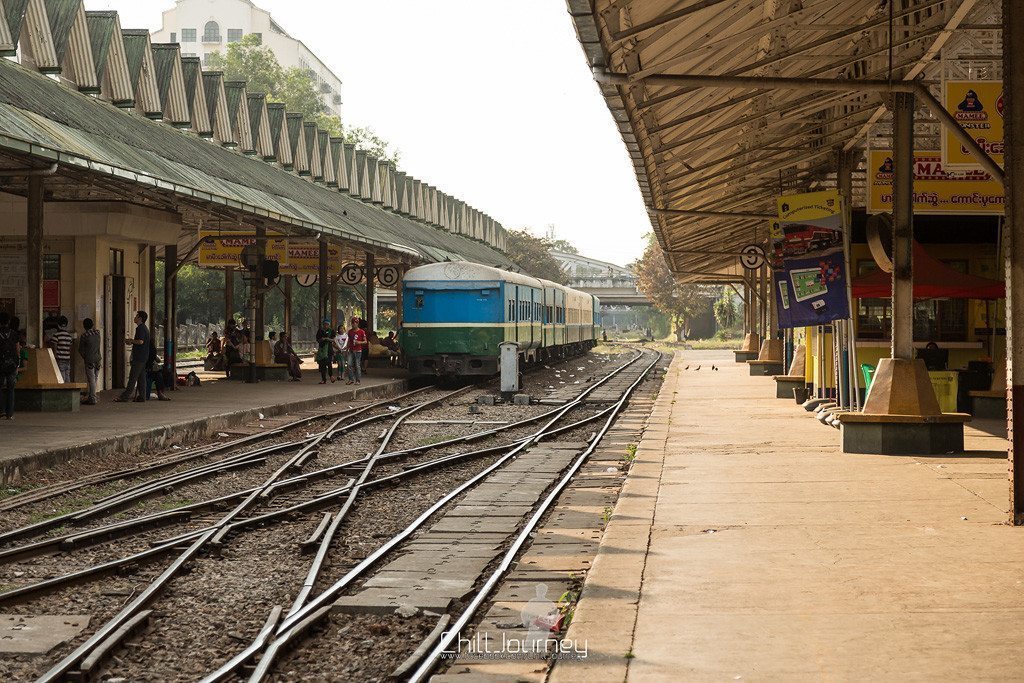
(945, 384)
(869, 374)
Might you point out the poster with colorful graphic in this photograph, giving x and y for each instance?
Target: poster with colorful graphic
(937, 189)
(809, 265)
(978, 107)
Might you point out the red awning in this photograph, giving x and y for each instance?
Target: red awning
(933, 279)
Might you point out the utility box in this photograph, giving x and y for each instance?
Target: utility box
(508, 362)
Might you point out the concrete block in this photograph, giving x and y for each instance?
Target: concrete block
(896, 438)
(485, 400)
(21, 634)
(988, 407)
(47, 400)
(521, 399)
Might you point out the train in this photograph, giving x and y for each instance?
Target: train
(455, 314)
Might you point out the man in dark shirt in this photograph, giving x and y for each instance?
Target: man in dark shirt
(139, 358)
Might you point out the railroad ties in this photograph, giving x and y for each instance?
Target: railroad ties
(443, 563)
(571, 383)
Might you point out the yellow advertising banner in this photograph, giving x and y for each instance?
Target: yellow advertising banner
(978, 108)
(224, 249)
(812, 207)
(936, 189)
(304, 258)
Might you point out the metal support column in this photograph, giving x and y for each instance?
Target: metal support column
(34, 271)
(151, 260)
(332, 307)
(288, 305)
(170, 311)
(259, 291)
(903, 227)
(1013, 245)
(371, 292)
(229, 293)
(323, 284)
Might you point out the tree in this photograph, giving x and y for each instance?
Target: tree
(364, 137)
(564, 246)
(681, 302)
(249, 60)
(725, 310)
(532, 257)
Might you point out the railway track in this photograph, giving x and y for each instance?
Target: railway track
(293, 490)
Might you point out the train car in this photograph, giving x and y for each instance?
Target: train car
(454, 316)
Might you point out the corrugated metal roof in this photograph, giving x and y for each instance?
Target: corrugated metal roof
(61, 14)
(44, 119)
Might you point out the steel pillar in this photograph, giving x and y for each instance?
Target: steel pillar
(151, 258)
(259, 291)
(371, 292)
(1013, 245)
(229, 294)
(903, 227)
(322, 283)
(170, 311)
(288, 305)
(34, 270)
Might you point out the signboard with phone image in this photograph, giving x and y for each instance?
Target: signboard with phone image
(807, 255)
(807, 283)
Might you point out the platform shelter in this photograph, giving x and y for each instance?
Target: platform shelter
(902, 109)
(117, 152)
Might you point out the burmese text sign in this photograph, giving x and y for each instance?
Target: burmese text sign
(937, 189)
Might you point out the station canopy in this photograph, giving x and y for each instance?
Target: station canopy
(712, 149)
(127, 120)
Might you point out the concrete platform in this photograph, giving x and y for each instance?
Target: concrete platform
(36, 440)
(746, 546)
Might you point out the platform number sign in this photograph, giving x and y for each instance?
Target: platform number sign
(388, 276)
(752, 256)
(307, 279)
(352, 274)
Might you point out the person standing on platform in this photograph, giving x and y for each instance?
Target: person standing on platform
(341, 349)
(325, 351)
(89, 350)
(356, 343)
(10, 360)
(60, 341)
(139, 358)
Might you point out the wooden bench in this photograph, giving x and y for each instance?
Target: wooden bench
(988, 405)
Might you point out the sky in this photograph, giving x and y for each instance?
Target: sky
(490, 101)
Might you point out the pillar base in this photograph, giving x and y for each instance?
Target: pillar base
(50, 400)
(744, 356)
(901, 387)
(903, 434)
(772, 350)
(785, 384)
(765, 368)
(752, 342)
(40, 370)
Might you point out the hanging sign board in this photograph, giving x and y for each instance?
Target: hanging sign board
(978, 107)
(303, 257)
(808, 261)
(937, 190)
(225, 249)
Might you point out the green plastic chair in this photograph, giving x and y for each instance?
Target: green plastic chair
(869, 374)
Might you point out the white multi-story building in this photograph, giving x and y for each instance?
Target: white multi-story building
(203, 27)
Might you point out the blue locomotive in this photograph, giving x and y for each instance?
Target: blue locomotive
(455, 314)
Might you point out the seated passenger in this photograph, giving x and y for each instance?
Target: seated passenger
(214, 358)
(284, 354)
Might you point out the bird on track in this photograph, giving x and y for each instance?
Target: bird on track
(697, 369)
(714, 368)
(687, 367)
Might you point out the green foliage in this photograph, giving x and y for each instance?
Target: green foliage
(364, 137)
(564, 246)
(683, 303)
(531, 254)
(249, 60)
(725, 310)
